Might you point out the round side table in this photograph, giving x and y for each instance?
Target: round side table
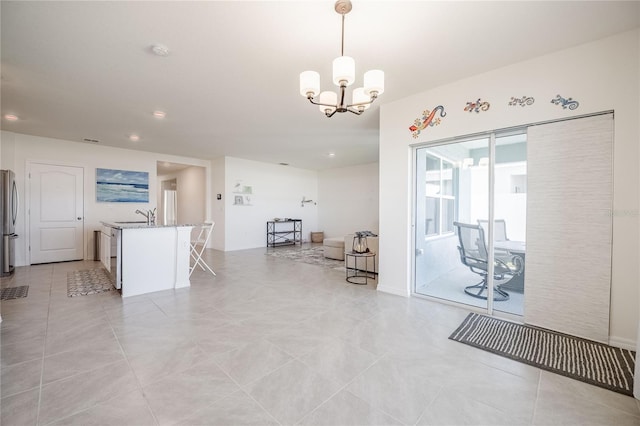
(359, 274)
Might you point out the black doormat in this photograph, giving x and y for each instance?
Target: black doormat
(86, 282)
(591, 362)
(14, 292)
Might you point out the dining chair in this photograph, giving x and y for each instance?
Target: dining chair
(474, 255)
(198, 245)
(499, 234)
(499, 229)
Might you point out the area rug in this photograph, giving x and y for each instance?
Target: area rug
(90, 281)
(14, 292)
(311, 255)
(591, 362)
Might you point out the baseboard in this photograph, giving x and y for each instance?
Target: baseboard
(182, 284)
(620, 342)
(392, 290)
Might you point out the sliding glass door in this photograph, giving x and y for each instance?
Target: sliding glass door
(510, 219)
(470, 209)
(451, 187)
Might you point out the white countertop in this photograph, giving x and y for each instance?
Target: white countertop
(139, 225)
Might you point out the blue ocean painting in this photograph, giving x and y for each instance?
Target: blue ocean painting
(122, 186)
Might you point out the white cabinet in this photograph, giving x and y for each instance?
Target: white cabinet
(146, 258)
(105, 248)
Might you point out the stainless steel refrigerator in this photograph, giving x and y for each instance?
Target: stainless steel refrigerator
(9, 208)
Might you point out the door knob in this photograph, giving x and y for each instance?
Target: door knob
(79, 218)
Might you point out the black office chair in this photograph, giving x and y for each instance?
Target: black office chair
(473, 254)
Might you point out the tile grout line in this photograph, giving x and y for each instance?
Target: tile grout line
(81, 410)
(253, 381)
(84, 372)
(126, 358)
(535, 403)
(344, 388)
(240, 388)
(424, 410)
(44, 348)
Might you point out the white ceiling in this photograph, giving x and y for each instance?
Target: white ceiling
(75, 70)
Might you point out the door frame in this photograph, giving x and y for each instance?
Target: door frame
(491, 137)
(27, 203)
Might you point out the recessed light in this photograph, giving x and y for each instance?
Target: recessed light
(160, 49)
(134, 138)
(159, 114)
(11, 117)
(332, 154)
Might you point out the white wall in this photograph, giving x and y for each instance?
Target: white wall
(603, 75)
(7, 150)
(191, 188)
(26, 148)
(348, 200)
(191, 195)
(277, 191)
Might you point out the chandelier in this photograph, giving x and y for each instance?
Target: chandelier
(344, 71)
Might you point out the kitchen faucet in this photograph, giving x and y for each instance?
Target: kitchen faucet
(150, 215)
(143, 214)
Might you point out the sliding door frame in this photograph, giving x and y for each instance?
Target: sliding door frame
(491, 135)
(491, 138)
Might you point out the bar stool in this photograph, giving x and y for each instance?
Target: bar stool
(199, 244)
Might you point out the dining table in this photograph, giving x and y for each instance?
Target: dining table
(513, 248)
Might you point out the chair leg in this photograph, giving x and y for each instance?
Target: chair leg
(199, 262)
(196, 254)
(476, 291)
(210, 270)
(195, 258)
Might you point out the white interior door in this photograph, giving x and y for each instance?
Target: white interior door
(56, 213)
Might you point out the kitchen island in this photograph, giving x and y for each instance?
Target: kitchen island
(147, 258)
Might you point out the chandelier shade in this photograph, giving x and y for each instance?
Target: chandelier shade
(344, 75)
(309, 83)
(373, 82)
(361, 99)
(344, 70)
(327, 100)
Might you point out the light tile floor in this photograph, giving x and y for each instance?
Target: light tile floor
(268, 341)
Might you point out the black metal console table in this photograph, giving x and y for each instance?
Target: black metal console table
(284, 232)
